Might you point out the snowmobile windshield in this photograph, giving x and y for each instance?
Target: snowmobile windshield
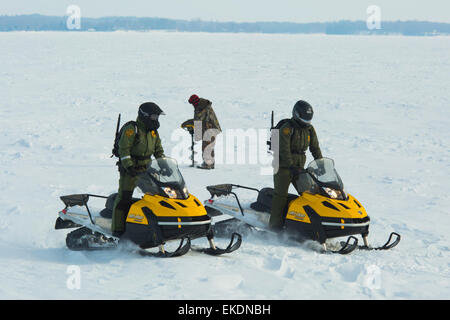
(163, 177)
(323, 171)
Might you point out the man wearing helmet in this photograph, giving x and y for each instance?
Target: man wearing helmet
(296, 135)
(138, 141)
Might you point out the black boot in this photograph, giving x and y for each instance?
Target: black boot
(117, 234)
(206, 166)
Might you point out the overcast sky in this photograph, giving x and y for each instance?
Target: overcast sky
(239, 10)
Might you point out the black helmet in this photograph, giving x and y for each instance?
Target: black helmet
(303, 113)
(149, 108)
(149, 113)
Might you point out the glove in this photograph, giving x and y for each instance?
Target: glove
(166, 171)
(188, 125)
(320, 171)
(132, 171)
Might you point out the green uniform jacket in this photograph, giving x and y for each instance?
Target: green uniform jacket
(293, 143)
(136, 146)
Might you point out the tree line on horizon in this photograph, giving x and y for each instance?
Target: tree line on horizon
(36, 22)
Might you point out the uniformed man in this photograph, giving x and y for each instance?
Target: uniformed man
(295, 136)
(138, 142)
(204, 112)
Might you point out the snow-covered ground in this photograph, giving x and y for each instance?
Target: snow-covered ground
(382, 111)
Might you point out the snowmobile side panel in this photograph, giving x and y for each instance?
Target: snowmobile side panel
(137, 215)
(153, 230)
(316, 225)
(146, 235)
(298, 213)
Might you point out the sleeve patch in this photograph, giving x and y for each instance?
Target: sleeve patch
(129, 132)
(286, 131)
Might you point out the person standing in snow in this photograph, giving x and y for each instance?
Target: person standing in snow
(296, 135)
(138, 142)
(210, 127)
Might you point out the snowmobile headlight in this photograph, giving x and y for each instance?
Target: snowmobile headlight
(170, 193)
(186, 193)
(332, 193)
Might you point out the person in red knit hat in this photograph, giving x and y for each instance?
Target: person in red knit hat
(204, 113)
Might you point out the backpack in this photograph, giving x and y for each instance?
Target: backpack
(115, 150)
(278, 126)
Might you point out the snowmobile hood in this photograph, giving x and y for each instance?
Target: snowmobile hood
(165, 207)
(325, 207)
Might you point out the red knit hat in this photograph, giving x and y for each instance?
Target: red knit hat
(194, 100)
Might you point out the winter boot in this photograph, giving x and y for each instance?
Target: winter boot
(206, 166)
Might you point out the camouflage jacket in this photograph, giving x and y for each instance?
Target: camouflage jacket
(205, 113)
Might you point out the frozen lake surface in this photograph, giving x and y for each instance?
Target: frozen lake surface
(381, 112)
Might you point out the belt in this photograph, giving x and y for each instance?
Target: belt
(138, 168)
(141, 157)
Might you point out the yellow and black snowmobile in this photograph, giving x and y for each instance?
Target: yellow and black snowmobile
(321, 210)
(166, 212)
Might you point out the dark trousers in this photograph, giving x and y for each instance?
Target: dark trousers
(281, 181)
(122, 203)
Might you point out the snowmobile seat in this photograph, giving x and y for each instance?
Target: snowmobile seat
(264, 201)
(109, 205)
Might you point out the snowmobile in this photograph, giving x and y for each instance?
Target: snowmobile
(166, 212)
(321, 210)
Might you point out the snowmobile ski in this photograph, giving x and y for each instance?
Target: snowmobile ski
(347, 246)
(182, 249)
(390, 243)
(213, 250)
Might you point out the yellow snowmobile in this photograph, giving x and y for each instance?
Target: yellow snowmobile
(321, 210)
(166, 212)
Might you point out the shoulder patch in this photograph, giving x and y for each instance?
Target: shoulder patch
(286, 131)
(129, 132)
